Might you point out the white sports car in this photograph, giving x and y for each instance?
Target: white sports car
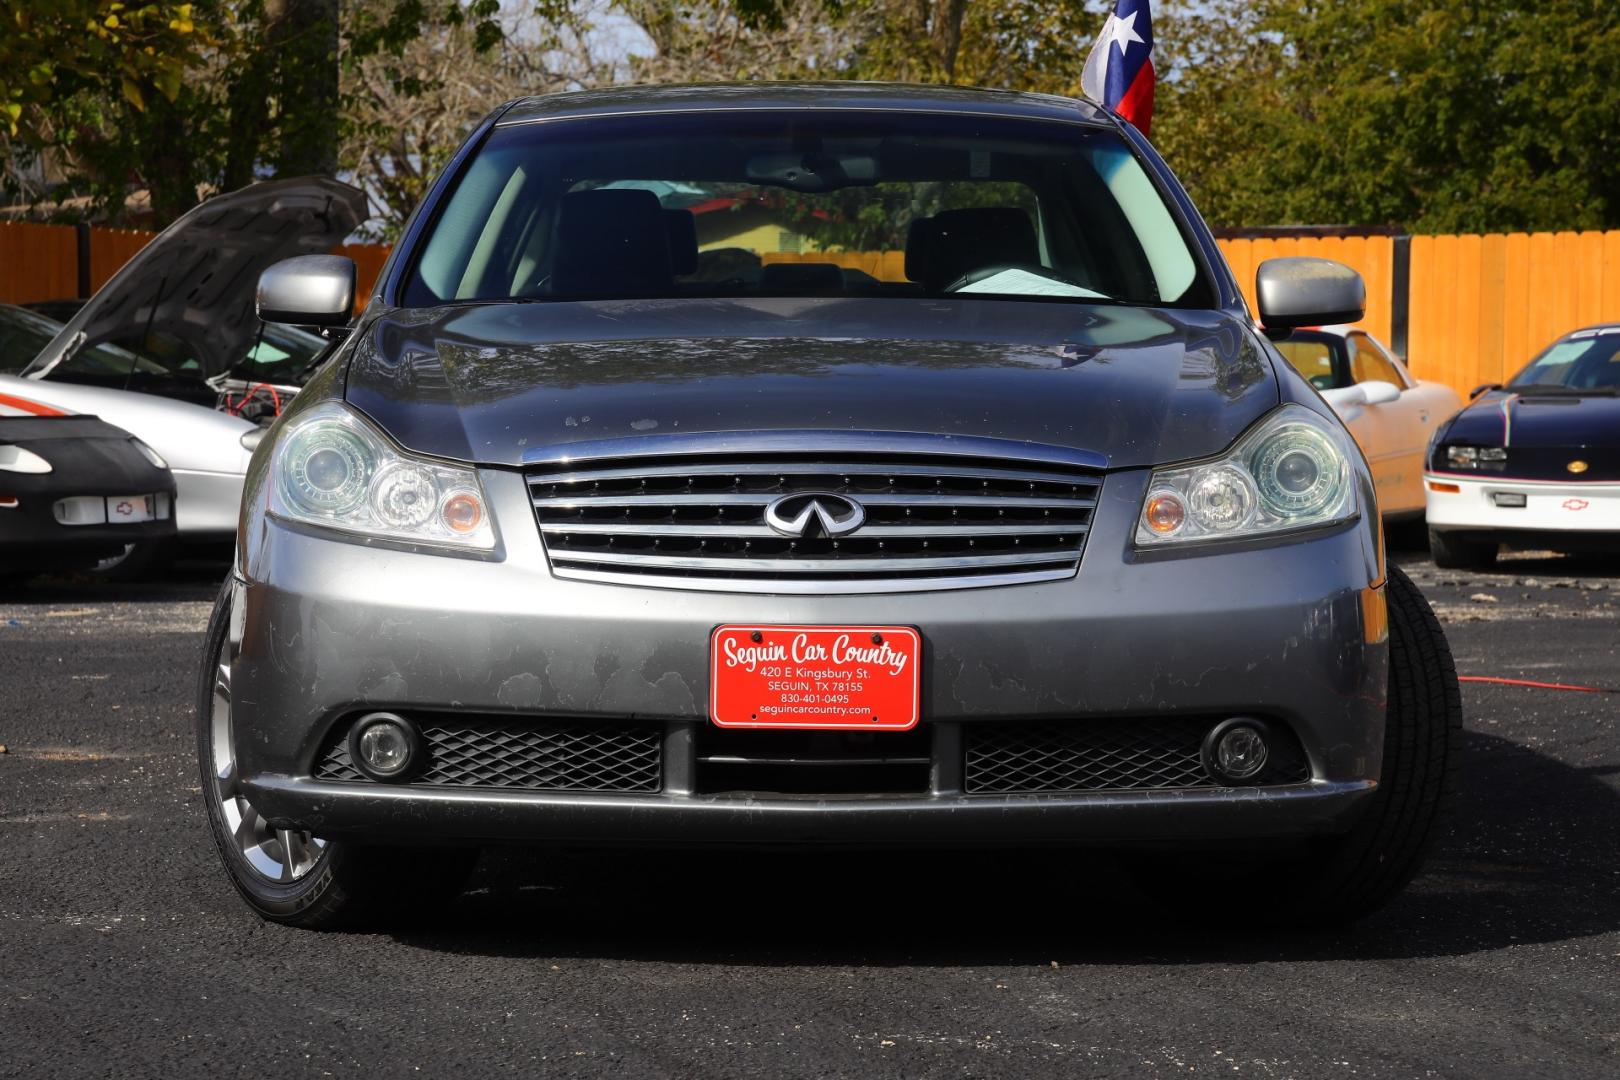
(1392, 415)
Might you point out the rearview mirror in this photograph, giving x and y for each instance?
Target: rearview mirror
(309, 290)
(1379, 392)
(1302, 291)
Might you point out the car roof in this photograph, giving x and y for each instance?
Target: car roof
(851, 96)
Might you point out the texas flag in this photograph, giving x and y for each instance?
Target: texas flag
(1119, 71)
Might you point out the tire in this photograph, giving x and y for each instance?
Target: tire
(138, 562)
(1343, 878)
(291, 877)
(1455, 553)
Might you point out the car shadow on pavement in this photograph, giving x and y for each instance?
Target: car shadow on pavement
(192, 577)
(1529, 855)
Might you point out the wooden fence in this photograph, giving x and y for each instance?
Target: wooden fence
(1466, 309)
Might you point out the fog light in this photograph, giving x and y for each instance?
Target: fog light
(1235, 751)
(384, 746)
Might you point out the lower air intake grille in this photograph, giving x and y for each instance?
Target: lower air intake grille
(529, 754)
(1107, 755)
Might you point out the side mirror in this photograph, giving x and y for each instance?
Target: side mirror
(1301, 291)
(1379, 392)
(309, 290)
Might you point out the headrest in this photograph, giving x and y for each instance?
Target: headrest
(801, 279)
(681, 226)
(610, 242)
(942, 248)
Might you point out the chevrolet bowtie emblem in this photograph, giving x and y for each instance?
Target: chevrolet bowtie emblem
(799, 515)
(1576, 466)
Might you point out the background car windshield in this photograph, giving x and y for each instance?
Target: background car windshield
(1586, 361)
(23, 334)
(1319, 357)
(805, 204)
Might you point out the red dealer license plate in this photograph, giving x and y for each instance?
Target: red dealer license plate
(827, 677)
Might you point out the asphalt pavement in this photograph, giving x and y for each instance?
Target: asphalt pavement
(124, 952)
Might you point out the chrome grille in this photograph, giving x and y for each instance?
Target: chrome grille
(932, 521)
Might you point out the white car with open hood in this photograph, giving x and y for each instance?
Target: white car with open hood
(171, 346)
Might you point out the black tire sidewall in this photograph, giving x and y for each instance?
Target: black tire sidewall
(271, 899)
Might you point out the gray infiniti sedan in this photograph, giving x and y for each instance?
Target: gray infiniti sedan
(816, 465)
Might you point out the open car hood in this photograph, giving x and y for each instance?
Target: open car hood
(196, 279)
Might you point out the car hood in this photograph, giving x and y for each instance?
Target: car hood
(191, 438)
(1551, 420)
(512, 383)
(197, 278)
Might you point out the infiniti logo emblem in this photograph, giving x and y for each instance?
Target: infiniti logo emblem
(792, 515)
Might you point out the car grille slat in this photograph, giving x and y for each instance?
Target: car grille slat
(726, 499)
(931, 471)
(698, 521)
(760, 531)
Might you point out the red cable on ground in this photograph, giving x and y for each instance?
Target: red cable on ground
(1537, 685)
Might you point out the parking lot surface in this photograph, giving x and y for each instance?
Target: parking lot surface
(123, 950)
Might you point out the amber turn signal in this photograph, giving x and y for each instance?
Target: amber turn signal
(1164, 512)
(462, 512)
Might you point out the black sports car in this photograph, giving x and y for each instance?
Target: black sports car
(74, 490)
(1534, 462)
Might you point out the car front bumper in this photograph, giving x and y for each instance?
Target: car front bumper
(325, 629)
(1476, 505)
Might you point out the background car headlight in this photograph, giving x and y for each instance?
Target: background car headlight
(19, 460)
(1289, 472)
(332, 468)
(150, 454)
(1472, 457)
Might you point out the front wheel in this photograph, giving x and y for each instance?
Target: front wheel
(1345, 877)
(286, 875)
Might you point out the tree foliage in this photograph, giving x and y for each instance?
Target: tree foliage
(1439, 115)
(1434, 114)
(51, 50)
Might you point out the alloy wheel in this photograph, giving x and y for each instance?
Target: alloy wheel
(281, 856)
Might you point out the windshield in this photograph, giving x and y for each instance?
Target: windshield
(1584, 362)
(804, 204)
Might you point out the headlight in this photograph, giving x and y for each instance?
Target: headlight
(1472, 457)
(1289, 472)
(334, 469)
(18, 460)
(150, 454)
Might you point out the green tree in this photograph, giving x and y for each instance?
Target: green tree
(51, 50)
(224, 92)
(1440, 115)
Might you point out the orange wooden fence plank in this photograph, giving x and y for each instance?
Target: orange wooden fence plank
(1516, 334)
(1492, 296)
(37, 262)
(1611, 276)
(1588, 263)
(1418, 312)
